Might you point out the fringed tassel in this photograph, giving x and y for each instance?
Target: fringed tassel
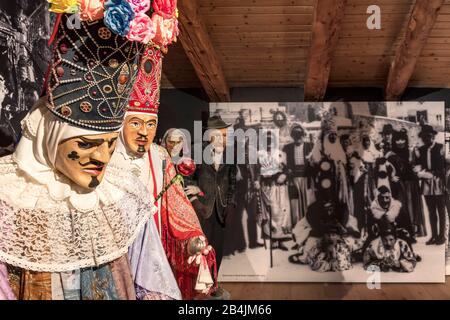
(185, 273)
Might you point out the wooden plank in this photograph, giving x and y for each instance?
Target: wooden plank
(337, 291)
(328, 16)
(421, 23)
(260, 19)
(275, 9)
(200, 51)
(254, 3)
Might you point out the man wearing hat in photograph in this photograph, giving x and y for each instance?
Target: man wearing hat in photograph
(216, 179)
(430, 168)
(386, 141)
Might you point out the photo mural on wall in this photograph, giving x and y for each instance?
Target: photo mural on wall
(447, 185)
(343, 190)
(24, 56)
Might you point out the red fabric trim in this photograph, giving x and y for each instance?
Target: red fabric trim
(142, 111)
(55, 29)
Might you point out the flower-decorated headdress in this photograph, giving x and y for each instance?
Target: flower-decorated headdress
(146, 21)
(95, 61)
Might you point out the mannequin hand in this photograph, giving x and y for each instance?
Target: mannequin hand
(192, 190)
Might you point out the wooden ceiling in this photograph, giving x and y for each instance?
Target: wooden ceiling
(286, 43)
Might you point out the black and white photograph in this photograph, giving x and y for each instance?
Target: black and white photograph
(447, 185)
(338, 191)
(24, 55)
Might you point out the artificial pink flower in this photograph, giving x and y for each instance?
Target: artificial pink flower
(91, 10)
(165, 8)
(141, 29)
(166, 30)
(139, 6)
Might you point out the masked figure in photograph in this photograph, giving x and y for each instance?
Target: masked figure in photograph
(175, 224)
(385, 207)
(274, 193)
(66, 218)
(174, 141)
(386, 139)
(406, 189)
(430, 168)
(362, 165)
(331, 237)
(235, 241)
(388, 252)
(329, 160)
(296, 154)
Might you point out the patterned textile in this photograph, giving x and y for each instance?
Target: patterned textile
(400, 258)
(179, 225)
(331, 257)
(98, 284)
(111, 281)
(123, 280)
(30, 285)
(143, 294)
(149, 265)
(92, 75)
(145, 95)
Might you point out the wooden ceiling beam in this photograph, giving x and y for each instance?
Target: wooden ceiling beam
(198, 47)
(328, 15)
(421, 22)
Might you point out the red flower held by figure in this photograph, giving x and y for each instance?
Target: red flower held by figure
(186, 167)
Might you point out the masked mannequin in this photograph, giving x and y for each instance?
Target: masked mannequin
(67, 219)
(176, 222)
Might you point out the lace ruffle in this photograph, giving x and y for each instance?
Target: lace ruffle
(42, 234)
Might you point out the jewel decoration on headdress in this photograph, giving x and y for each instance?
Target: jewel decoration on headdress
(145, 95)
(146, 21)
(97, 96)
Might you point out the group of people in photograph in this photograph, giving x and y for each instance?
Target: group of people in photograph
(350, 195)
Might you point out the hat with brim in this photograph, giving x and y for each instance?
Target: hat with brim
(426, 129)
(216, 122)
(387, 129)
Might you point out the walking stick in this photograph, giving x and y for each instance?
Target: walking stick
(270, 236)
(258, 200)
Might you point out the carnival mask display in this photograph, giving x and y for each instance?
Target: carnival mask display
(139, 132)
(84, 159)
(174, 144)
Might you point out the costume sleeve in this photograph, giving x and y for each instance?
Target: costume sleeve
(369, 257)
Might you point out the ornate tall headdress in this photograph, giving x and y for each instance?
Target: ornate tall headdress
(145, 95)
(92, 74)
